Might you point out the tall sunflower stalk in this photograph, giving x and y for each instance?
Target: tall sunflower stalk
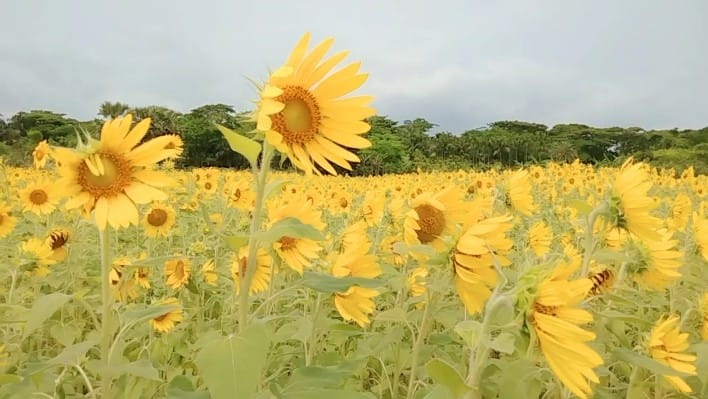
(302, 115)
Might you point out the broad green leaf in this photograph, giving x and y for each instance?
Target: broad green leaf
(146, 313)
(65, 334)
(701, 351)
(42, 309)
(231, 366)
(519, 379)
(645, 362)
(241, 144)
(236, 241)
(327, 283)
(318, 393)
(309, 377)
(502, 311)
(503, 343)
(395, 314)
(446, 375)
(581, 206)
(141, 368)
(181, 388)
(439, 392)
(72, 354)
(469, 330)
(291, 227)
(9, 379)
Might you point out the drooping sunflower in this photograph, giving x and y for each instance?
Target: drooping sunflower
(659, 262)
(303, 114)
(261, 278)
(7, 221)
(432, 216)
(39, 197)
(159, 220)
(40, 154)
(124, 288)
(519, 192)
(177, 272)
(208, 273)
(167, 321)
(556, 319)
(57, 240)
(297, 252)
(631, 207)
(356, 303)
(110, 176)
(667, 345)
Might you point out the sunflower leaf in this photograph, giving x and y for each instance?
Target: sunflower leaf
(274, 186)
(327, 283)
(242, 145)
(291, 227)
(236, 241)
(42, 309)
(446, 375)
(647, 363)
(151, 312)
(182, 388)
(72, 354)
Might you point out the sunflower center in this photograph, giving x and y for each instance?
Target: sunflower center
(547, 310)
(299, 120)
(431, 221)
(104, 174)
(237, 194)
(287, 243)
(207, 186)
(58, 239)
(2, 219)
(161, 317)
(38, 197)
(157, 217)
(343, 202)
(179, 270)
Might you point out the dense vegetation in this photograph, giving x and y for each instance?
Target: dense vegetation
(397, 146)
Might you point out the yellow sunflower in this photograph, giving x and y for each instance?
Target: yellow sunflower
(667, 345)
(177, 272)
(40, 154)
(433, 216)
(210, 276)
(38, 253)
(680, 212)
(110, 176)
(556, 319)
(167, 321)
(700, 233)
(7, 221)
(142, 277)
(124, 288)
(159, 220)
(303, 114)
(261, 278)
(540, 238)
(659, 262)
(416, 281)
(39, 198)
(520, 192)
(297, 252)
(631, 207)
(703, 307)
(57, 241)
(356, 304)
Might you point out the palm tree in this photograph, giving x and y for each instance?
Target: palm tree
(112, 110)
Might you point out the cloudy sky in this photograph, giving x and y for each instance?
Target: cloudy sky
(460, 64)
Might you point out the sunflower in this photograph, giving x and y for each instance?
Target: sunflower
(208, 272)
(40, 154)
(7, 221)
(355, 235)
(630, 206)
(520, 192)
(142, 277)
(357, 262)
(703, 307)
(700, 232)
(372, 208)
(416, 281)
(356, 304)
(159, 220)
(297, 252)
(39, 254)
(476, 252)
(680, 212)
(240, 196)
(177, 272)
(110, 176)
(167, 321)
(667, 345)
(556, 319)
(124, 289)
(303, 115)
(432, 217)
(659, 262)
(261, 278)
(39, 198)
(540, 238)
(57, 241)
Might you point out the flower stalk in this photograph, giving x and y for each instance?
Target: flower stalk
(106, 308)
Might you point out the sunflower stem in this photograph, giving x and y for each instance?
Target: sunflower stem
(590, 241)
(420, 338)
(313, 335)
(245, 281)
(107, 303)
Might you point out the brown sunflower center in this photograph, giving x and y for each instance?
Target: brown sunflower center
(237, 194)
(547, 310)
(58, 239)
(2, 219)
(161, 317)
(343, 202)
(431, 221)
(287, 243)
(38, 196)
(208, 186)
(104, 174)
(299, 120)
(157, 217)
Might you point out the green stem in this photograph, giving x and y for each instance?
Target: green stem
(13, 282)
(255, 227)
(590, 241)
(312, 341)
(632, 389)
(420, 338)
(107, 304)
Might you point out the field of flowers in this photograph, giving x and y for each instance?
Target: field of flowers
(487, 284)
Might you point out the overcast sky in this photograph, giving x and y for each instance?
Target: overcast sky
(459, 64)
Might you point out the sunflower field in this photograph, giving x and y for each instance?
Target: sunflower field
(127, 278)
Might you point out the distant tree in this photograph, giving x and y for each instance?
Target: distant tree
(112, 110)
(163, 120)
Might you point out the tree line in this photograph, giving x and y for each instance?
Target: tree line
(398, 147)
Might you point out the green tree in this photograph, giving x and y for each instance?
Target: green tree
(112, 110)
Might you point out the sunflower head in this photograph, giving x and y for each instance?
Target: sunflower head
(57, 240)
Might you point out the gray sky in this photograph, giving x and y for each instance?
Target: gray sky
(460, 64)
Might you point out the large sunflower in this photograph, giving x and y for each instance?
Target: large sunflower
(303, 114)
(110, 176)
(631, 206)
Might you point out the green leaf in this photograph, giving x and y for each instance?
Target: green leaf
(445, 375)
(242, 145)
(231, 366)
(701, 351)
(273, 187)
(469, 330)
(141, 368)
(42, 309)
(520, 379)
(325, 394)
(395, 315)
(9, 379)
(327, 283)
(503, 343)
(236, 241)
(291, 227)
(645, 362)
(439, 392)
(581, 206)
(181, 388)
(147, 313)
(72, 354)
